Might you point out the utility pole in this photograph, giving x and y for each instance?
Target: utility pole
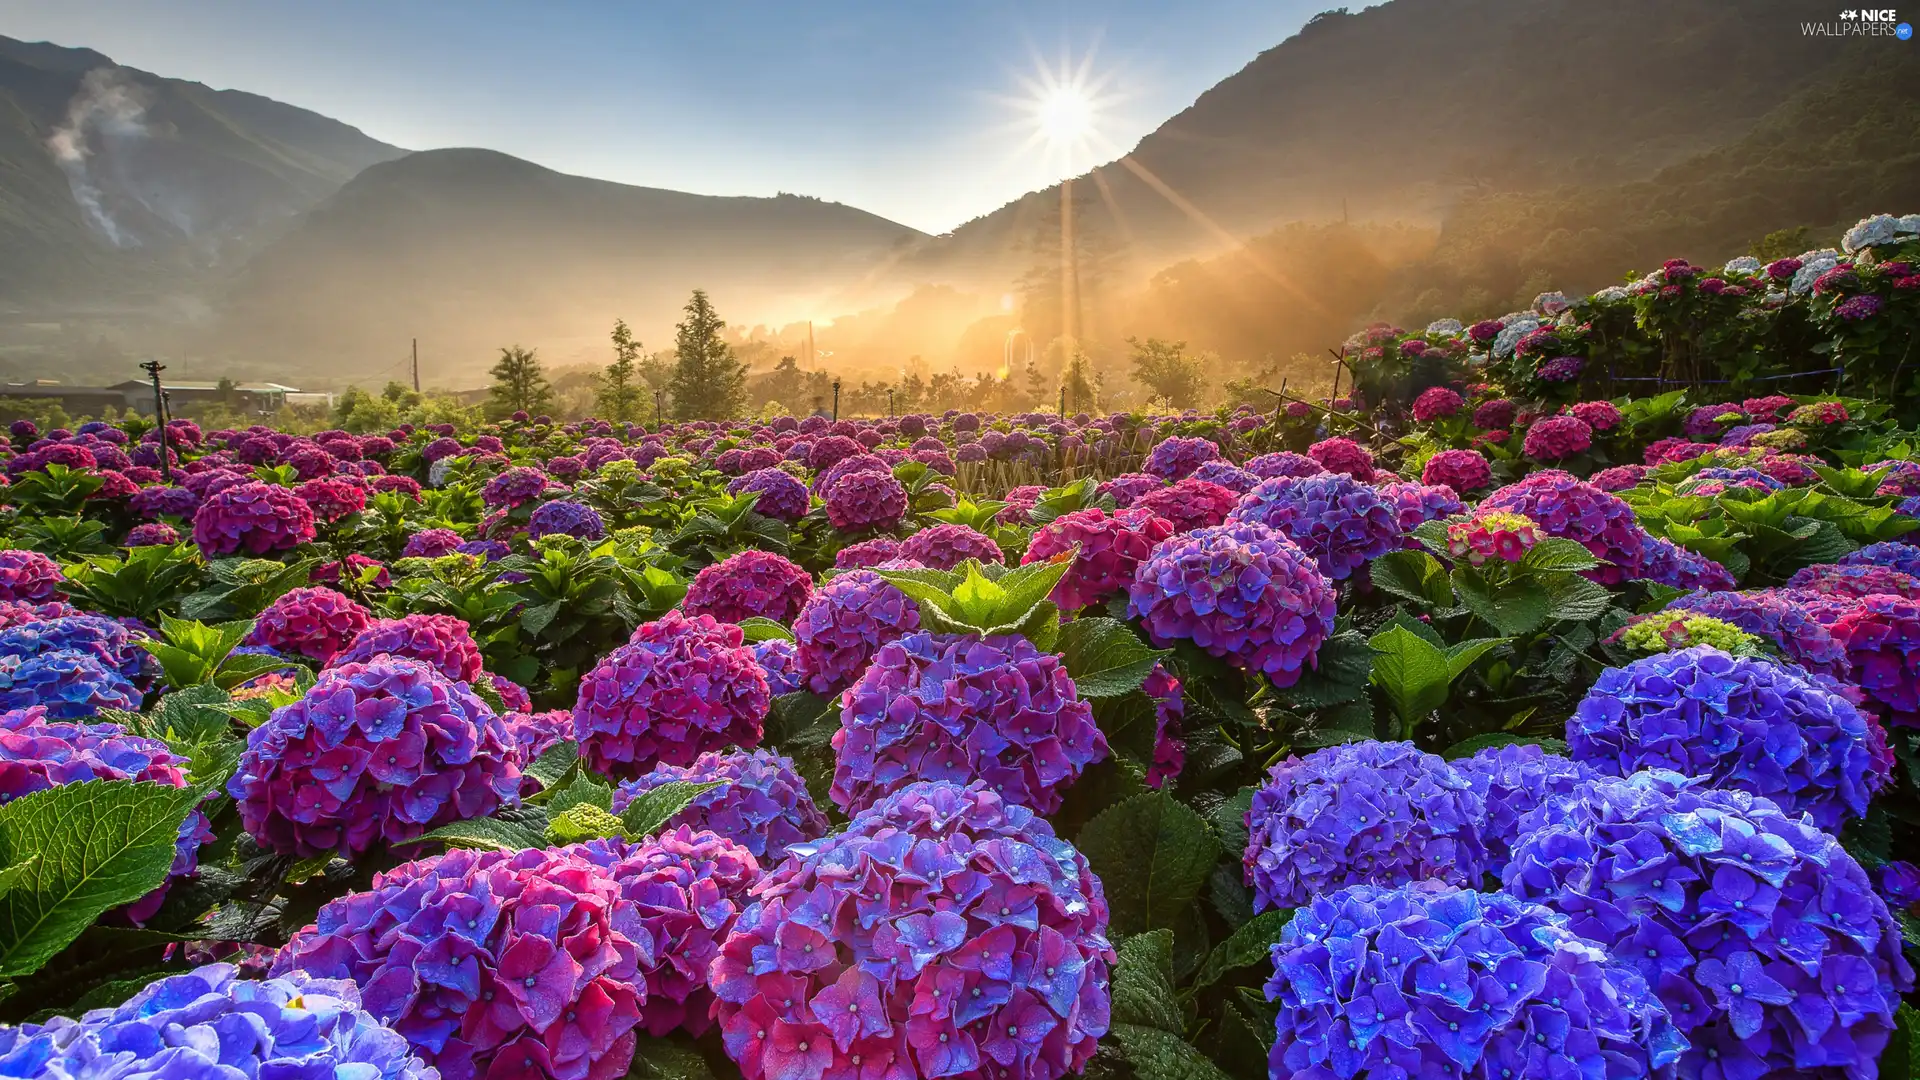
(416, 365)
(153, 368)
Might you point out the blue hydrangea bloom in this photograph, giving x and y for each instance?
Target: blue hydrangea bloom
(566, 518)
(1741, 722)
(780, 659)
(1892, 554)
(1341, 522)
(1514, 781)
(1432, 981)
(68, 683)
(105, 639)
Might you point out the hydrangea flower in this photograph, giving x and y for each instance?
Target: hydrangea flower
(1493, 534)
(333, 499)
(853, 959)
(748, 585)
(1758, 931)
(679, 687)
(945, 546)
(780, 660)
(1891, 554)
(1429, 980)
(1169, 709)
(1855, 580)
(70, 684)
(1190, 504)
(564, 517)
(36, 755)
(1436, 403)
(1496, 414)
(1241, 592)
(867, 553)
(1369, 813)
(514, 487)
(1514, 780)
(312, 621)
(1575, 510)
(1741, 722)
(1673, 629)
(28, 577)
(211, 1023)
(844, 623)
(106, 640)
(444, 641)
(1668, 563)
(161, 501)
(535, 733)
(1283, 463)
(761, 804)
(1175, 458)
(1881, 635)
(254, 518)
(431, 544)
(959, 707)
(866, 500)
(782, 496)
(1343, 455)
(1461, 470)
(1127, 488)
(152, 534)
(1416, 504)
(380, 751)
(1555, 438)
(1339, 521)
(1111, 547)
(1227, 475)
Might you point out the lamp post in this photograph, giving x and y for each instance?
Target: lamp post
(153, 368)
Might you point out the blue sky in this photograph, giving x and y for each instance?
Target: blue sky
(921, 111)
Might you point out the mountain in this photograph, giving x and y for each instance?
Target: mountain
(470, 250)
(1399, 112)
(115, 179)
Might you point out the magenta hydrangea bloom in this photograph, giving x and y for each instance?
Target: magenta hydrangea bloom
(844, 623)
(517, 486)
(1241, 592)
(1778, 620)
(315, 622)
(780, 660)
(1572, 509)
(28, 577)
(535, 733)
(1339, 521)
(380, 751)
(748, 585)
(761, 804)
(36, 755)
(1111, 547)
(679, 687)
(152, 534)
(1881, 635)
(866, 500)
(847, 466)
(1127, 488)
(828, 450)
(1175, 458)
(1855, 580)
(1363, 813)
(444, 641)
(254, 518)
(853, 960)
(431, 544)
(332, 499)
(1342, 455)
(1169, 708)
(867, 553)
(1436, 403)
(1757, 930)
(943, 547)
(1740, 722)
(1190, 504)
(1417, 504)
(1555, 438)
(1461, 470)
(959, 707)
(1227, 475)
(782, 496)
(160, 501)
(1619, 477)
(1283, 463)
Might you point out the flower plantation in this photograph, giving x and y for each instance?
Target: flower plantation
(1486, 721)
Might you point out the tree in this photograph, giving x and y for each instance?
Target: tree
(708, 382)
(518, 384)
(617, 394)
(1077, 379)
(1036, 385)
(1165, 368)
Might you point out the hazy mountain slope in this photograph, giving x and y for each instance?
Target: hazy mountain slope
(471, 250)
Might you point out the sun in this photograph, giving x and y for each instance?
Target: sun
(1065, 114)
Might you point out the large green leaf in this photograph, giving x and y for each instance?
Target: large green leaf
(1339, 674)
(1574, 598)
(1412, 575)
(1147, 1017)
(672, 1058)
(1411, 671)
(100, 844)
(1559, 553)
(486, 834)
(1513, 608)
(1251, 944)
(1469, 746)
(1105, 657)
(651, 809)
(1153, 853)
(1901, 1059)
(758, 629)
(554, 763)
(1161, 1055)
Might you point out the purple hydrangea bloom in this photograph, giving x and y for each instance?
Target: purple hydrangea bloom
(946, 932)
(1284, 463)
(751, 584)
(1900, 885)
(1227, 475)
(517, 486)
(1241, 592)
(959, 707)
(564, 517)
(1516, 779)
(431, 544)
(782, 496)
(1778, 620)
(866, 500)
(844, 623)
(1108, 549)
(1364, 813)
(1575, 510)
(1175, 458)
(1741, 722)
(209, 1024)
(780, 660)
(1891, 554)
(679, 687)
(1758, 931)
(254, 518)
(943, 547)
(443, 641)
(380, 751)
(535, 733)
(1618, 477)
(28, 577)
(761, 804)
(36, 755)
(159, 501)
(1169, 708)
(1667, 563)
(1882, 637)
(1416, 504)
(847, 466)
(867, 553)
(152, 534)
(1855, 580)
(1339, 521)
(312, 621)
(1127, 488)
(486, 550)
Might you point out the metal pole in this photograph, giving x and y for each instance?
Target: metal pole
(836, 400)
(153, 368)
(416, 365)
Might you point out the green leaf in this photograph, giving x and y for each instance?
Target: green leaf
(759, 629)
(1143, 983)
(1901, 1059)
(652, 809)
(534, 620)
(584, 788)
(977, 599)
(1463, 656)
(1514, 608)
(1470, 746)
(1105, 657)
(1559, 553)
(101, 844)
(1340, 674)
(307, 869)
(1574, 598)
(554, 763)
(1411, 575)
(580, 822)
(193, 714)
(672, 1058)
(11, 875)
(1025, 587)
(1163, 1055)
(485, 834)
(1153, 853)
(1251, 944)
(1411, 671)
(1229, 820)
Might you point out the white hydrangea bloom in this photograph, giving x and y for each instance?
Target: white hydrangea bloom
(1511, 334)
(1611, 294)
(1445, 327)
(1774, 298)
(1909, 225)
(1745, 264)
(1869, 231)
(1551, 303)
(1812, 265)
(438, 472)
